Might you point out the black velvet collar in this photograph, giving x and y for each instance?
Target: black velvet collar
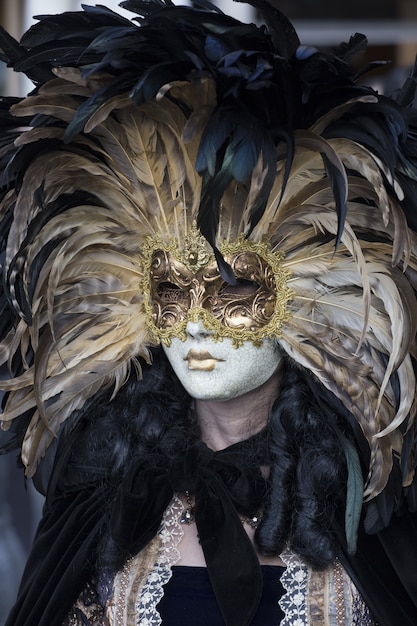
(223, 484)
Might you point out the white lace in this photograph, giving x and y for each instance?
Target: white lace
(294, 580)
(170, 534)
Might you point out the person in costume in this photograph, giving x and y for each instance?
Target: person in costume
(208, 322)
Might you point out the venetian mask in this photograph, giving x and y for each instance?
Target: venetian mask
(186, 286)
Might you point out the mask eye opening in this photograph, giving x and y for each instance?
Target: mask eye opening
(243, 287)
(169, 292)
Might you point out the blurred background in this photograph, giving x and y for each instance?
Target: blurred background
(391, 28)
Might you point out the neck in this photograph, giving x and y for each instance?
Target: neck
(225, 423)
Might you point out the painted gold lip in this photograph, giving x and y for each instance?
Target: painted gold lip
(201, 360)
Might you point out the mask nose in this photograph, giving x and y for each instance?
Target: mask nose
(197, 330)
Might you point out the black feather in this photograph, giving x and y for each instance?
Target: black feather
(283, 33)
(338, 185)
(9, 48)
(357, 45)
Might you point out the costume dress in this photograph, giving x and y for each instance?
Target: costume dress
(132, 598)
(326, 597)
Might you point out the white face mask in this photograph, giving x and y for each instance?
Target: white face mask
(216, 370)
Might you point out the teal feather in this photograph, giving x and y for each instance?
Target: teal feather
(354, 492)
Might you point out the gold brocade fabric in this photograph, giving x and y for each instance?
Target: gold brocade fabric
(324, 598)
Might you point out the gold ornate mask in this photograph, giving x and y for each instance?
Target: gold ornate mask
(186, 285)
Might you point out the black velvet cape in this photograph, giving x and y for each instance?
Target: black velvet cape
(65, 551)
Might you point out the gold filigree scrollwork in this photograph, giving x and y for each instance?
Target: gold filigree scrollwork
(177, 292)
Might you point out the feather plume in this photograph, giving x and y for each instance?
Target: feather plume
(140, 128)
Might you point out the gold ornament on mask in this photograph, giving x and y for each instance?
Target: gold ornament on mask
(186, 285)
(195, 253)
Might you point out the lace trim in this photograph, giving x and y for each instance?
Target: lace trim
(294, 601)
(323, 598)
(170, 535)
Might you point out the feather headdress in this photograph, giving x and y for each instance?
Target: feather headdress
(140, 130)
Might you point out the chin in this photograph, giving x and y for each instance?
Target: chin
(215, 398)
(207, 394)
